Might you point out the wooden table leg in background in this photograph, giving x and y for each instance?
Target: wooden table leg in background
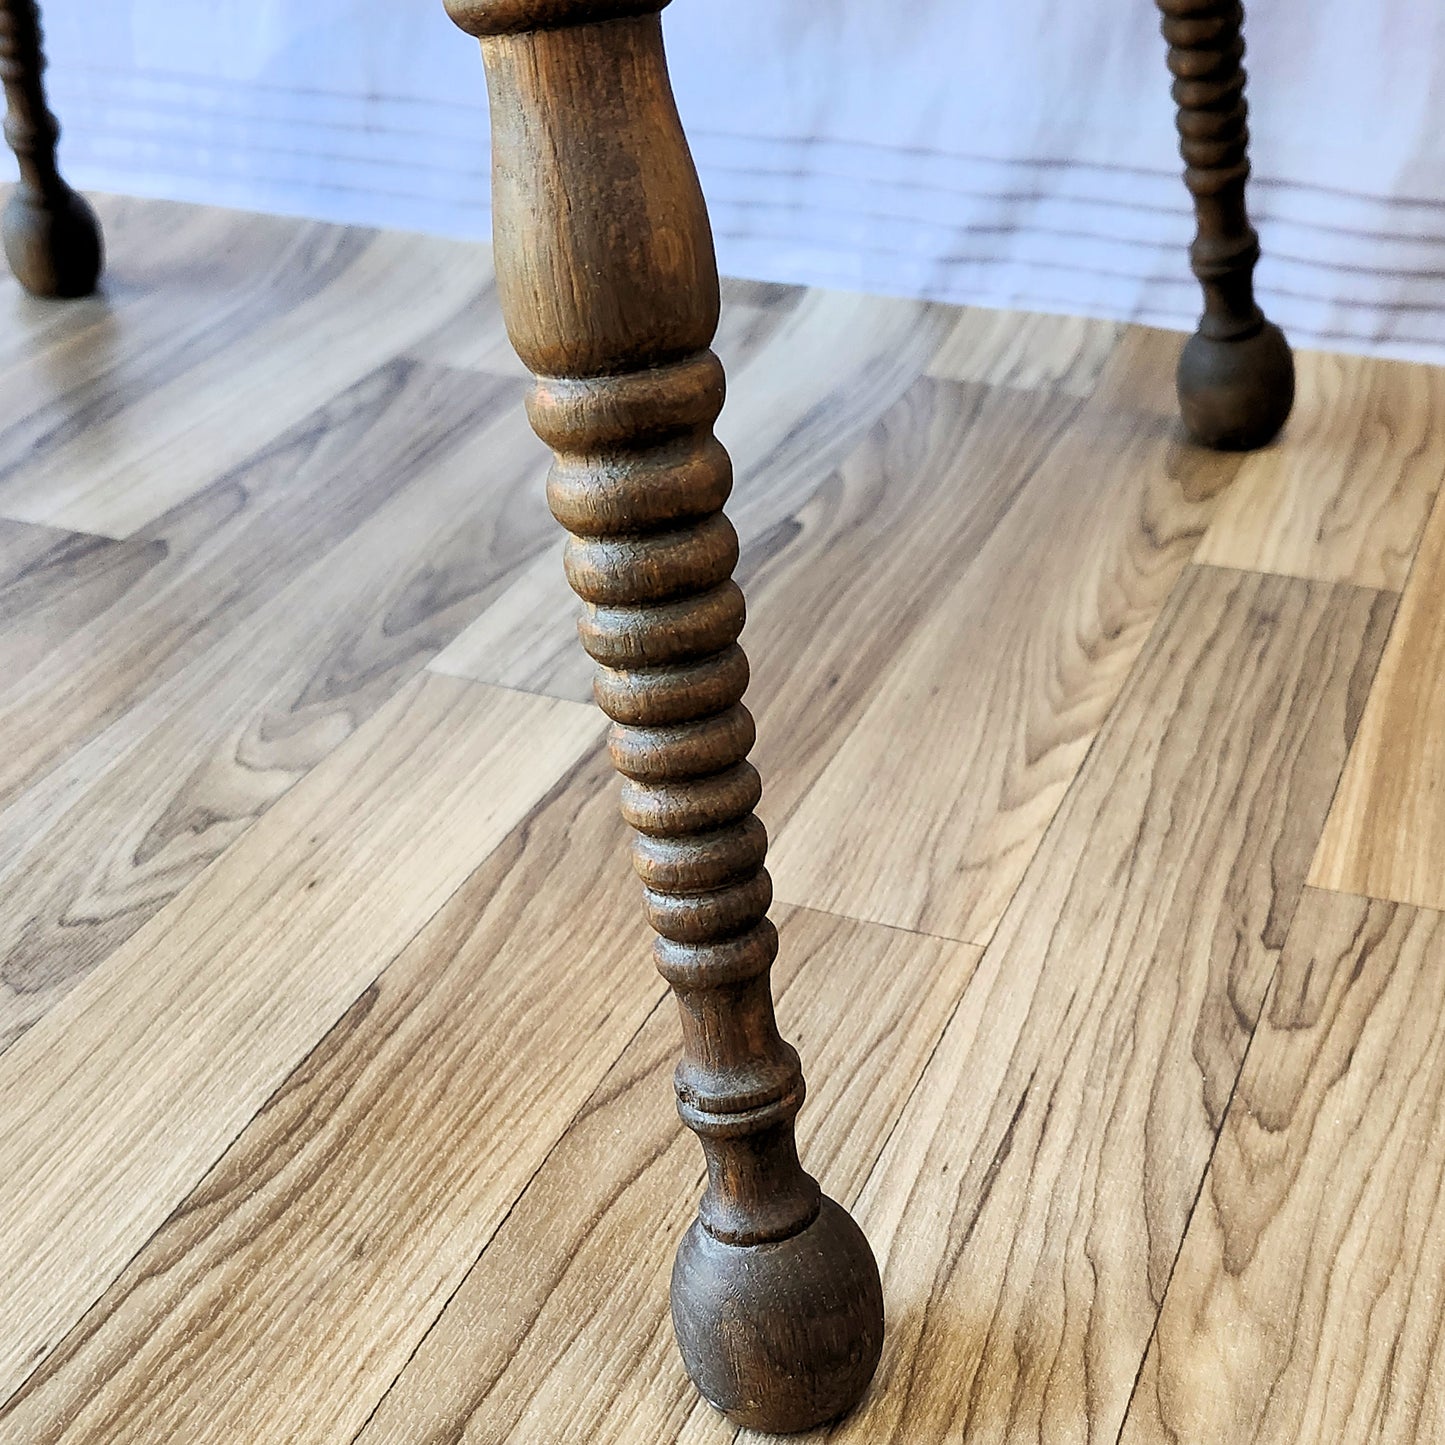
(609, 288)
(1236, 375)
(52, 238)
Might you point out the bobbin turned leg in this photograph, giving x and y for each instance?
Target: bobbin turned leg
(52, 238)
(1236, 375)
(607, 280)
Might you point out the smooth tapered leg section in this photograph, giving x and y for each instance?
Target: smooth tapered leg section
(606, 274)
(52, 238)
(1236, 374)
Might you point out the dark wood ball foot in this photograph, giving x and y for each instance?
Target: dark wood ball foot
(52, 241)
(785, 1335)
(1236, 394)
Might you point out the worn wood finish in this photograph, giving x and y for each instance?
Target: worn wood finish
(1032, 1198)
(1306, 1303)
(52, 238)
(1236, 375)
(776, 1298)
(1386, 831)
(122, 1098)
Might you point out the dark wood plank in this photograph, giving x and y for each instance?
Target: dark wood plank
(1306, 1304)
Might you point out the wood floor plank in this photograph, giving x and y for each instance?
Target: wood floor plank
(122, 1097)
(1306, 1303)
(179, 291)
(88, 855)
(1031, 1201)
(1386, 831)
(937, 793)
(375, 1175)
(801, 395)
(52, 583)
(144, 240)
(561, 1331)
(114, 475)
(1026, 349)
(1344, 494)
(162, 597)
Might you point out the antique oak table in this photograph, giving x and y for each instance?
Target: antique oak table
(605, 268)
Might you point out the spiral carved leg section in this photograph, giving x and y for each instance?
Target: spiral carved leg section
(51, 235)
(776, 1298)
(1236, 374)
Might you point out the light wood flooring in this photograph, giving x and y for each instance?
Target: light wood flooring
(1106, 778)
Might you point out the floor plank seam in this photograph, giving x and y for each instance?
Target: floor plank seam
(507, 1214)
(282, 1085)
(1438, 503)
(1199, 1192)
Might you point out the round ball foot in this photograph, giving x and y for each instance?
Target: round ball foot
(781, 1336)
(52, 242)
(1235, 395)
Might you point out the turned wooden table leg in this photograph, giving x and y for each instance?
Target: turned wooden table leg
(52, 238)
(1236, 375)
(609, 288)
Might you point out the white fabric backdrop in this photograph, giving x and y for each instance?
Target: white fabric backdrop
(1018, 154)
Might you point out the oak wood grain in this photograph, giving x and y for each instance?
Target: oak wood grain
(1344, 496)
(1032, 1198)
(378, 1171)
(1026, 349)
(159, 599)
(1306, 1302)
(801, 395)
(52, 583)
(1385, 834)
(123, 1096)
(185, 285)
(135, 816)
(980, 717)
(578, 1270)
(146, 240)
(119, 471)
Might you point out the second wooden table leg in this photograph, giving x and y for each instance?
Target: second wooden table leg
(606, 274)
(1236, 374)
(52, 238)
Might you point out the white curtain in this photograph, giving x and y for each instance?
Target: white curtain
(1019, 154)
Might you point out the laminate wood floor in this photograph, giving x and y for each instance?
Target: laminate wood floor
(1106, 778)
